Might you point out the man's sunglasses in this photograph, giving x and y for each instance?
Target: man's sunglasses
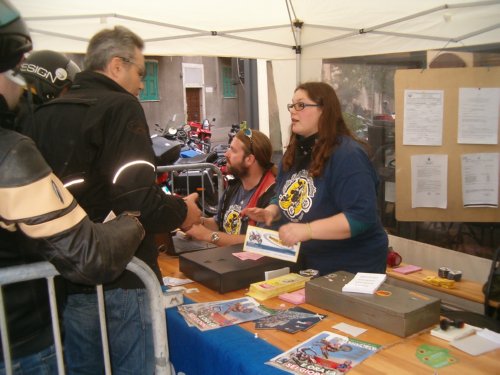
(248, 133)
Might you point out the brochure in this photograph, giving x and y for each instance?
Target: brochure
(364, 282)
(267, 242)
(324, 353)
(212, 315)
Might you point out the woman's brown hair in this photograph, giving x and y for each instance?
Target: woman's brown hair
(331, 126)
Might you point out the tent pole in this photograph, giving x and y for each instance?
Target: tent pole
(297, 27)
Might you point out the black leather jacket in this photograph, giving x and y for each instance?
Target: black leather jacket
(106, 143)
(35, 205)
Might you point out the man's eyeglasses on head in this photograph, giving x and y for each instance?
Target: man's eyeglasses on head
(248, 133)
(140, 69)
(300, 106)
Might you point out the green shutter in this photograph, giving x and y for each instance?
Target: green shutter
(228, 89)
(150, 91)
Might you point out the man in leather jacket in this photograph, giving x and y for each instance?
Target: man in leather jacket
(97, 134)
(34, 204)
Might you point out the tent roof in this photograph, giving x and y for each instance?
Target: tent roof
(262, 28)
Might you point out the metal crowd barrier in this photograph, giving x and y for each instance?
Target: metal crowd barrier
(46, 270)
(192, 169)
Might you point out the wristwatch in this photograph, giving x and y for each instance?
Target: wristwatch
(214, 238)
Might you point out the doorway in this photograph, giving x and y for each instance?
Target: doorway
(193, 101)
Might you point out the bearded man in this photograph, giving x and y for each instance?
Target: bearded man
(249, 161)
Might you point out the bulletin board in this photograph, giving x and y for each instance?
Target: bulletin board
(449, 80)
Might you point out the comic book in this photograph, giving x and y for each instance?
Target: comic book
(326, 353)
(212, 315)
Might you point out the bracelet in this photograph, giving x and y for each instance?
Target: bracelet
(310, 231)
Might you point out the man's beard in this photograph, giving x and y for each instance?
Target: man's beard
(238, 172)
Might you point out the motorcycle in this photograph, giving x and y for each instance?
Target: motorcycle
(166, 145)
(176, 147)
(202, 132)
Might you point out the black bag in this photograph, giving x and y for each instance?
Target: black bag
(491, 289)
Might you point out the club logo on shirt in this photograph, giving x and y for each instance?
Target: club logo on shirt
(232, 219)
(297, 194)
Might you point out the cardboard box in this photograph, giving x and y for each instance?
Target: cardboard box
(221, 271)
(392, 309)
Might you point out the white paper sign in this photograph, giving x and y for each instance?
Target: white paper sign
(429, 181)
(423, 117)
(480, 180)
(478, 115)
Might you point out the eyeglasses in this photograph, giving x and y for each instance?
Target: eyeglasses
(300, 106)
(140, 69)
(248, 133)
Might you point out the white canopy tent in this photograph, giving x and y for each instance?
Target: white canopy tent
(269, 29)
(262, 28)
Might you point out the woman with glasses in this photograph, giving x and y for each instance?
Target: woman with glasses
(326, 189)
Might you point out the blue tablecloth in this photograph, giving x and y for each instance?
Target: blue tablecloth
(229, 350)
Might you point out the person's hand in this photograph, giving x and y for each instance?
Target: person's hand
(193, 215)
(199, 232)
(259, 215)
(292, 233)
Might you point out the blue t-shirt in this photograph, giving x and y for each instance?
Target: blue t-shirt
(232, 222)
(348, 184)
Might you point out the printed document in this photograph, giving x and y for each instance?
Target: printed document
(478, 115)
(429, 182)
(480, 179)
(423, 117)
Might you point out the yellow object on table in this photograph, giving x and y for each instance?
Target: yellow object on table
(439, 281)
(274, 287)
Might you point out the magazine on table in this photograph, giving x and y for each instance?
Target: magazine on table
(212, 315)
(291, 320)
(326, 353)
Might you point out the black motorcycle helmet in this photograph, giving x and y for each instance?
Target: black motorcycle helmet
(15, 39)
(47, 73)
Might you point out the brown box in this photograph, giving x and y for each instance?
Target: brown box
(397, 310)
(220, 270)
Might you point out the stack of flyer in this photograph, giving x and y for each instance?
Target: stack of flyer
(363, 282)
(324, 353)
(212, 315)
(274, 287)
